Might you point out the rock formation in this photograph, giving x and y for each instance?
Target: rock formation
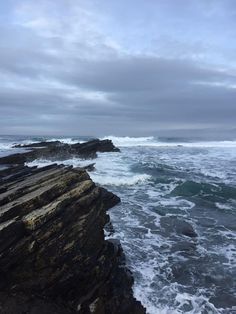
(59, 151)
(53, 255)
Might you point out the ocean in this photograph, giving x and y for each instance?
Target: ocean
(176, 221)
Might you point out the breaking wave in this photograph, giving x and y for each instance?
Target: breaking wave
(152, 141)
(127, 141)
(110, 180)
(68, 140)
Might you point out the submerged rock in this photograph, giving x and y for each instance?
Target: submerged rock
(53, 255)
(174, 224)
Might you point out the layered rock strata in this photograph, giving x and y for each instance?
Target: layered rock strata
(53, 255)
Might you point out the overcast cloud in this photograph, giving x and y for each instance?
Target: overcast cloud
(127, 67)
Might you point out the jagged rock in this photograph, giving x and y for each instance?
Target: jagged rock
(59, 151)
(19, 304)
(53, 255)
(90, 167)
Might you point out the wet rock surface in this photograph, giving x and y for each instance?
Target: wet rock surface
(181, 227)
(53, 255)
(57, 150)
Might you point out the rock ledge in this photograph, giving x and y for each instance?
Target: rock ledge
(53, 255)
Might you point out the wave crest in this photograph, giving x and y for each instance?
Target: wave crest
(119, 181)
(152, 141)
(127, 141)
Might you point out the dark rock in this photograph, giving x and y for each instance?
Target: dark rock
(188, 230)
(222, 299)
(95, 146)
(174, 224)
(109, 199)
(182, 273)
(53, 255)
(90, 167)
(10, 231)
(109, 228)
(185, 248)
(21, 304)
(14, 159)
(59, 151)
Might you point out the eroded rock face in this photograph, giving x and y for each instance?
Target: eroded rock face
(59, 151)
(53, 256)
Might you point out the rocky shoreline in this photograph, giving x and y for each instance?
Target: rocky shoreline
(57, 150)
(53, 254)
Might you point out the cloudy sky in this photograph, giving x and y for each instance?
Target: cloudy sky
(127, 67)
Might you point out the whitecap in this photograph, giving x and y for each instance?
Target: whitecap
(68, 140)
(119, 181)
(75, 162)
(223, 206)
(152, 141)
(6, 146)
(127, 141)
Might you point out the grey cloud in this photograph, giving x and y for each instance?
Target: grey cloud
(87, 85)
(143, 89)
(138, 73)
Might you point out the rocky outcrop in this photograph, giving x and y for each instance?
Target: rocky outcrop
(59, 151)
(53, 255)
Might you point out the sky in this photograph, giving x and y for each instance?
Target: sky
(127, 67)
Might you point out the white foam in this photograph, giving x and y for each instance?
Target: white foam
(27, 142)
(10, 145)
(101, 175)
(210, 144)
(177, 202)
(229, 252)
(154, 142)
(65, 140)
(39, 163)
(199, 303)
(75, 162)
(223, 206)
(119, 181)
(131, 141)
(6, 146)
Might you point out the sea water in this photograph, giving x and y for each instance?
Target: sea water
(176, 220)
